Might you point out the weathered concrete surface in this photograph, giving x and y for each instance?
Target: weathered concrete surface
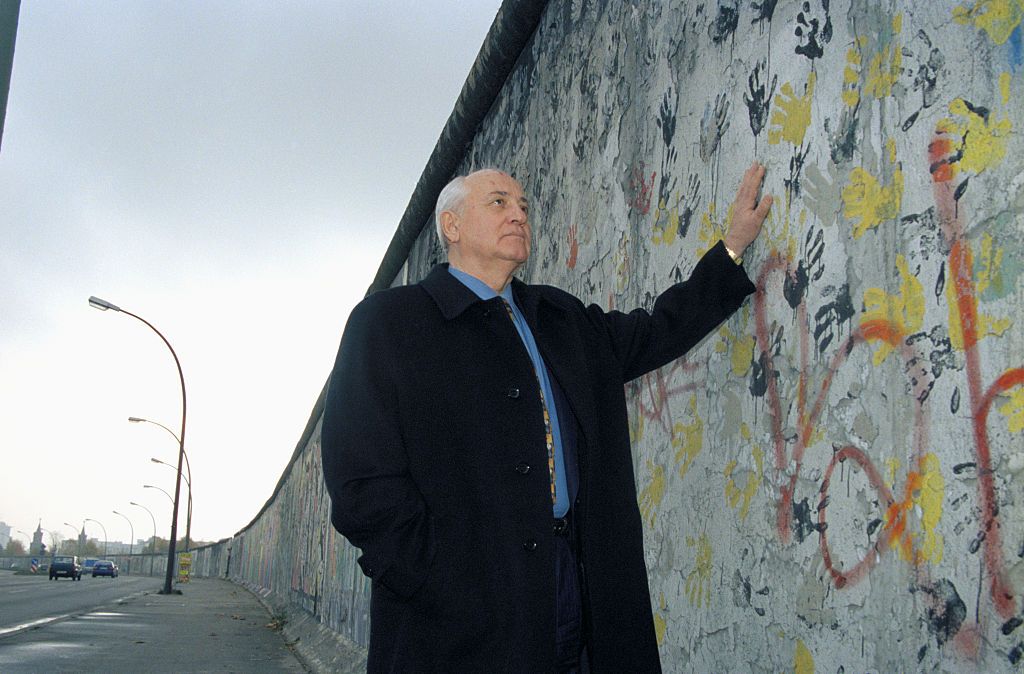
(831, 482)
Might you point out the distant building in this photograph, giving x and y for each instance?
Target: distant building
(5, 534)
(37, 541)
(119, 548)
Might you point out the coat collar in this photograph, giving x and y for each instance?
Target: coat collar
(450, 295)
(453, 297)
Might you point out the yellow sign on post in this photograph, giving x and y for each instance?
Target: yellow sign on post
(184, 567)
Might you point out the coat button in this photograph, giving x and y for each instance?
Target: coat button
(512, 393)
(522, 468)
(530, 545)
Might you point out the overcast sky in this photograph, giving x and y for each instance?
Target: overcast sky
(230, 171)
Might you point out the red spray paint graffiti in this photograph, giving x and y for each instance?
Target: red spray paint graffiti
(642, 189)
(808, 421)
(654, 391)
(960, 263)
(574, 247)
(962, 270)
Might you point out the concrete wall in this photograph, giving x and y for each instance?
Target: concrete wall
(833, 480)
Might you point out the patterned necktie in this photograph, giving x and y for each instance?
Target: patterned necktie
(549, 437)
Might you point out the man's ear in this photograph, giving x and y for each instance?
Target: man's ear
(450, 226)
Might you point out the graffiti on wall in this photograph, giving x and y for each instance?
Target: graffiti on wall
(836, 472)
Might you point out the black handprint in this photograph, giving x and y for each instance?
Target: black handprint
(758, 100)
(667, 119)
(667, 181)
(689, 200)
(725, 23)
(930, 62)
(842, 142)
(796, 166)
(765, 10)
(813, 32)
(713, 126)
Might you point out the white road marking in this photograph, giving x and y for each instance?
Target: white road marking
(35, 623)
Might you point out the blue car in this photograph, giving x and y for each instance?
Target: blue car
(104, 568)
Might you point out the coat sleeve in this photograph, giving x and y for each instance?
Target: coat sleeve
(682, 315)
(374, 502)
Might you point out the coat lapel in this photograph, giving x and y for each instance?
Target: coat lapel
(450, 295)
(557, 340)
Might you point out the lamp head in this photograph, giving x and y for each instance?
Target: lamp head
(102, 305)
(136, 420)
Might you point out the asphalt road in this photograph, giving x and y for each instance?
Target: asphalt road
(99, 625)
(35, 600)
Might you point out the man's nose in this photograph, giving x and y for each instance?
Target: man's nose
(518, 214)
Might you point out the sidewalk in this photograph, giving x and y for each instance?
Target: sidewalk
(213, 626)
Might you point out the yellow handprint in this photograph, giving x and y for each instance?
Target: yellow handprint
(698, 582)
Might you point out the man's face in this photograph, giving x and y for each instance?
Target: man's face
(493, 228)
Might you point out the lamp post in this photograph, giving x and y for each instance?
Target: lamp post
(188, 471)
(149, 486)
(72, 527)
(103, 305)
(131, 541)
(139, 505)
(28, 550)
(87, 519)
(188, 482)
(140, 420)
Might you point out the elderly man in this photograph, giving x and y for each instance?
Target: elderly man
(476, 448)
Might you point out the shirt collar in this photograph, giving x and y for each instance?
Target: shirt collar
(481, 289)
(453, 297)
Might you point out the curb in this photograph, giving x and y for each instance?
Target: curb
(318, 648)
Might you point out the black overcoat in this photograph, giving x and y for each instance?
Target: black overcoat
(434, 457)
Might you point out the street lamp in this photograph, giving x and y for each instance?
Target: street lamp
(103, 305)
(131, 541)
(104, 533)
(72, 526)
(28, 550)
(149, 486)
(139, 505)
(188, 481)
(188, 470)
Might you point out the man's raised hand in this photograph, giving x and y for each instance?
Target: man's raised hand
(748, 213)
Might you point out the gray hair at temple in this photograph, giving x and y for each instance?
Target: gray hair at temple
(450, 199)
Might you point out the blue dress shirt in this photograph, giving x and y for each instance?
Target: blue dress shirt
(485, 292)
